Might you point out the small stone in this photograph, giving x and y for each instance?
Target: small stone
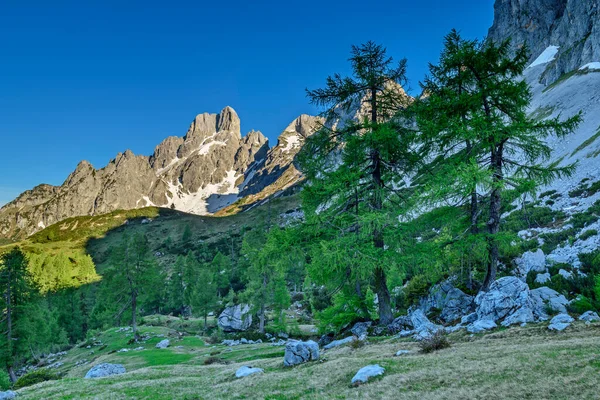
(247, 371)
(560, 322)
(589, 316)
(163, 344)
(365, 373)
(402, 353)
(105, 369)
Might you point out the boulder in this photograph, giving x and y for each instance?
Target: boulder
(105, 369)
(452, 302)
(423, 328)
(163, 344)
(545, 298)
(297, 352)
(247, 371)
(468, 319)
(337, 343)
(560, 322)
(589, 316)
(360, 329)
(481, 325)
(521, 317)
(505, 297)
(531, 261)
(365, 373)
(542, 278)
(325, 340)
(9, 394)
(402, 323)
(565, 274)
(235, 318)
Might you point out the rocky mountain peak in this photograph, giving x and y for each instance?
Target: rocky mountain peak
(228, 121)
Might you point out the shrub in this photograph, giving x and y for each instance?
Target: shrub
(438, 341)
(40, 375)
(214, 360)
(553, 240)
(532, 217)
(588, 234)
(581, 304)
(4, 380)
(416, 288)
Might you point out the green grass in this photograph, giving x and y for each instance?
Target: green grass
(587, 143)
(514, 363)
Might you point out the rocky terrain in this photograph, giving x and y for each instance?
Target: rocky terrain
(209, 168)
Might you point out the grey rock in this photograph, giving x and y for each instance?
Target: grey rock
(573, 25)
(565, 274)
(531, 261)
(401, 323)
(521, 317)
(560, 322)
(105, 369)
(589, 316)
(9, 394)
(481, 325)
(247, 371)
(337, 343)
(544, 298)
(542, 278)
(468, 319)
(505, 296)
(361, 329)
(163, 344)
(297, 352)
(235, 318)
(402, 353)
(452, 302)
(424, 329)
(365, 373)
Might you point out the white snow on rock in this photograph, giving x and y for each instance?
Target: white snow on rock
(591, 66)
(546, 56)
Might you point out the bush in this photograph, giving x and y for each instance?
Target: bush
(40, 375)
(4, 381)
(436, 342)
(532, 217)
(588, 234)
(416, 288)
(580, 305)
(214, 360)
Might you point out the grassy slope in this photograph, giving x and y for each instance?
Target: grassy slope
(95, 235)
(516, 363)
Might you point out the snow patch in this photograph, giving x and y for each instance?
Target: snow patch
(547, 56)
(291, 143)
(41, 225)
(593, 66)
(207, 199)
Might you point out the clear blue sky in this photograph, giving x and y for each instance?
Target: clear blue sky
(87, 79)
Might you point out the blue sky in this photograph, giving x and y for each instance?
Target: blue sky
(86, 79)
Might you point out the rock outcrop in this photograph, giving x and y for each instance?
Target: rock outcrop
(105, 369)
(235, 318)
(297, 352)
(571, 25)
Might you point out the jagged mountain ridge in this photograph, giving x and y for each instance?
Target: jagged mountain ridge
(209, 168)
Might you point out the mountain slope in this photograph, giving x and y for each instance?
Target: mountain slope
(209, 168)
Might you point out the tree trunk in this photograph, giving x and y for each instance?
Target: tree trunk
(493, 223)
(205, 321)
(11, 373)
(261, 316)
(136, 336)
(383, 297)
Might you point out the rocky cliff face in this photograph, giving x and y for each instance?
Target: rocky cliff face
(209, 168)
(571, 25)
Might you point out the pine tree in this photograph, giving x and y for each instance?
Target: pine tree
(134, 272)
(204, 294)
(481, 103)
(18, 291)
(372, 155)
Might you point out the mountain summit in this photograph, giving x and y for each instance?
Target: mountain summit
(209, 168)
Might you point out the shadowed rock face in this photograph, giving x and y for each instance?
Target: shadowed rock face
(573, 25)
(207, 169)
